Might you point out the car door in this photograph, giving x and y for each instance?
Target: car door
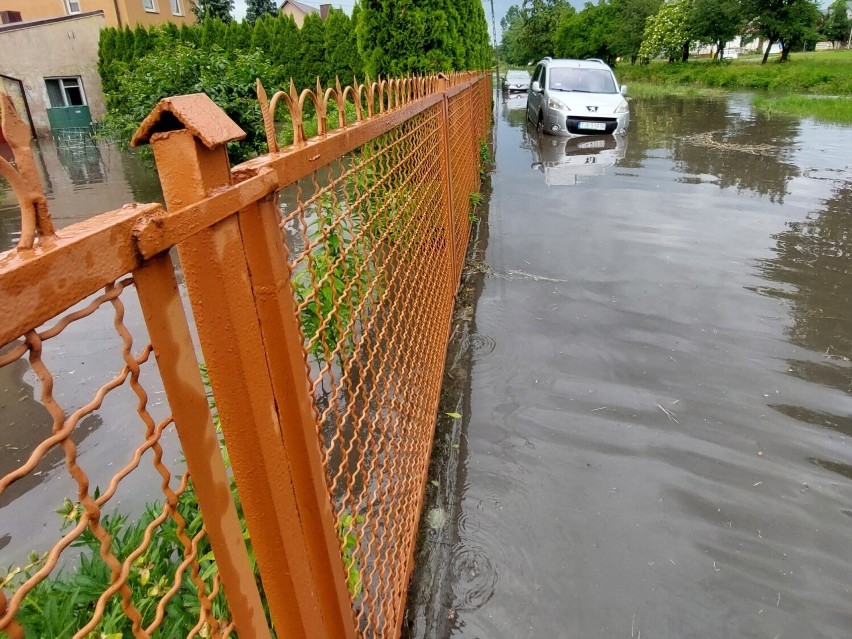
(533, 98)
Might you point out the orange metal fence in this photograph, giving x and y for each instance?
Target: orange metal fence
(321, 280)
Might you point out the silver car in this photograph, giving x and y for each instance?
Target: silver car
(516, 80)
(577, 97)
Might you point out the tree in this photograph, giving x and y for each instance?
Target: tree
(586, 34)
(669, 32)
(837, 23)
(541, 22)
(286, 46)
(627, 25)
(511, 44)
(397, 37)
(341, 48)
(205, 9)
(312, 52)
(258, 8)
(717, 22)
(789, 22)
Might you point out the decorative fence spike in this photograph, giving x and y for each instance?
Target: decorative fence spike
(268, 122)
(23, 177)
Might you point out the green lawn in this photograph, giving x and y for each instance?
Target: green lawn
(818, 73)
(837, 110)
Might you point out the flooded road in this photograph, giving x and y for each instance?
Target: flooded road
(656, 433)
(82, 178)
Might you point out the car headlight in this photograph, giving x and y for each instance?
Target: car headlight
(553, 103)
(621, 108)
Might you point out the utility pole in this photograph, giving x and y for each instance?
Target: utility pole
(494, 37)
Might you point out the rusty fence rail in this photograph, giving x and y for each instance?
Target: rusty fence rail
(321, 280)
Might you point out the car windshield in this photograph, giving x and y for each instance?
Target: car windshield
(583, 80)
(521, 76)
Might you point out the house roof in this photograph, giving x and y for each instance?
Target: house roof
(29, 24)
(301, 6)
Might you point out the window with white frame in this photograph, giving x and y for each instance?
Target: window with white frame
(65, 92)
(73, 6)
(150, 5)
(177, 7)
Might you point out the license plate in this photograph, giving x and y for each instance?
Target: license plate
(594, 144)
(592, 126)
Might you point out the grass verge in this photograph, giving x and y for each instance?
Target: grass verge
(823, 73)
(649, 90)
(824, 109)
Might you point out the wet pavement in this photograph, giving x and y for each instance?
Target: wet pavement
(654, 380)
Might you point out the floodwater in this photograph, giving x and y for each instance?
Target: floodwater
(657, 412)
(82, 178)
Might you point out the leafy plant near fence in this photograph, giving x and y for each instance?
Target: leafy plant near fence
(65, 601)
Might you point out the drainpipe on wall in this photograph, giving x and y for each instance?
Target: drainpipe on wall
(117, 13)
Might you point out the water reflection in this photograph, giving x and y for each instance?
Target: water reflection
(514, 109)
(566, 161)
(720, 140)
(82, 177)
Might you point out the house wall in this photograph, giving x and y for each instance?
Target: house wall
(130, 12)
(290, 10)
(66, 48)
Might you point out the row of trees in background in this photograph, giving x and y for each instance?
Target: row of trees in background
(645, 29)
(222, 58)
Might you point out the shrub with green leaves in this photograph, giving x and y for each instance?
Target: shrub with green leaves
(228, 78)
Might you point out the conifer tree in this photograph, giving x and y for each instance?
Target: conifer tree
(256, 9)
(312, 52)
(261, 35)
(141, 42)
(213, 9)
(127, 45)
(286, 49)
(341, 48)
(396, 37)
(189, 34)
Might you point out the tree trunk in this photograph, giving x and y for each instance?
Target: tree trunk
(769, 46)
(684, 56)
(785, 52)
(720, 50)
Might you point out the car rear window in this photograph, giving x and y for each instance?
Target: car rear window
(582, 80)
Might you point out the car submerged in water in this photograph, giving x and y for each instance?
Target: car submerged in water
(516, 80)
(577, 97)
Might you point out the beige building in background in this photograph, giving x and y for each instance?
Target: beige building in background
(299, 10)
(117, 13)
(52, 63)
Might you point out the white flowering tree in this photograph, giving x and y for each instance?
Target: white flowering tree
(668, 32)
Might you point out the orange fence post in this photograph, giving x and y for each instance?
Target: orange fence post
(447, 178)
(282, 337)
(170, 337)
(193, 162)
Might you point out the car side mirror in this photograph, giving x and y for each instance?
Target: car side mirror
(624, 89)
(536, 86)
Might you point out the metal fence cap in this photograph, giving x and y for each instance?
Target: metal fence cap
(195, 112)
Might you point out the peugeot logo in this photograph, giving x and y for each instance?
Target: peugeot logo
(593, 109)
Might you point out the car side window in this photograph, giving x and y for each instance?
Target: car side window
(537, 74)
(543, 80)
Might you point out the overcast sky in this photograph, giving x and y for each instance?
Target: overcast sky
(500, 8)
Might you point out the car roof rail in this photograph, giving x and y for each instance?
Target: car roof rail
(595, 60)
(547, 57)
